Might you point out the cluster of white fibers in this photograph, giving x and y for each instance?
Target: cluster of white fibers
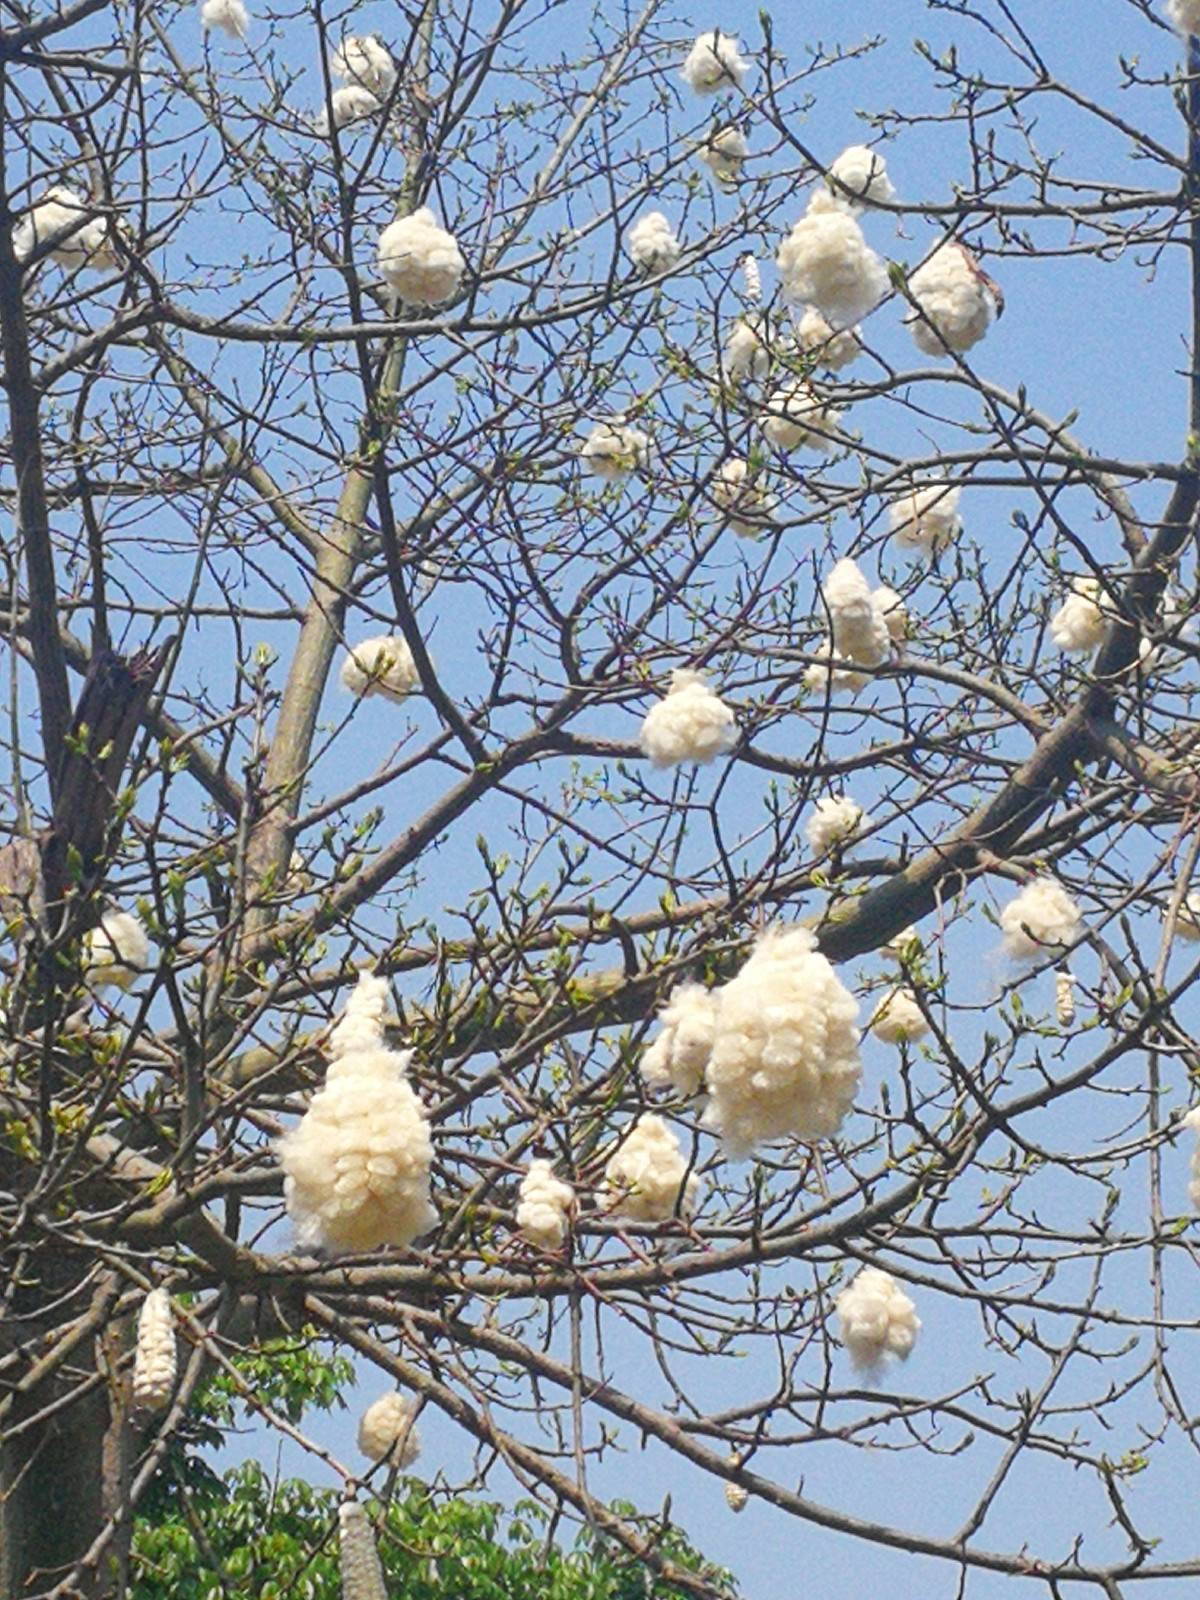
(652, 245)
(1079, 623)
(1064, 997)
(956, 306)
(545, 1206)
(154, 1356)
(227, 16)
(833, 348)
(679, 1053)
(863, 172)
(714, 63)
(796, 416)
(367, 62)
(902, 946)
(826, 262)
(690, 723)
(1042, 918)
(860, 628)
(751, 277)
(612, 451)
(784, 1060)
(833, 674)
(747, 506)
(419, 261)
(877, 1318)
(358, 1558)
(1192, 1120)
(749, 348)
(1187, 918)
(927, 519)
(381, 666)
(88, 243)
(890, 607)
(356, 1168)
(898, 1019)
(646, 1178)
(348, 105)
(724, 153)
(835, 821)
(386, 1431)
(115, 952)
(1184, 15)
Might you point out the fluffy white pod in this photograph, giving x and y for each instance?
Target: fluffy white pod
(87, 244)
(785, 1061)
(612, 451)
(833, 348)
(826, 262)
(358, 1558)
(227, 16)
(898, 1019)
(747, 506)
(356, 1168)
(1064, 997)
(860, 629)
(891, 610)
(1080, 622)
(652, 245)
(749, 348)
(386, 1430)
(955, 302)
(646, 1178)
(835, 820)
(350, 104)
(1192, 1120)
(877, 1319)
(545, 1206)
(796, 416)
(833, 674)
(724, 153)
(154, 1357)
(863, 172)
(380, 666)
(116, 951)
(735, 1496)
(751, 277)
(714, 63)
(927, 519)
(367, 62)
(419, 261)
(1042, 918)
(679, 1053)
(903, 945)
(690, 723)
(1184, 15)
(1187, 920)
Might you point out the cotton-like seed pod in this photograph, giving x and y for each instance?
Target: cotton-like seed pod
(386, 1431)
(1080, 622)
(784, 1061)
(826, 262)
(724, 153)
(86, 244)
(735, 1496)
(382, 666)
(898, 1019)
(154, 1358)
(891, 610)
(749, 348)
(1042, 918)
(956, 305)
(835, 820)
(612, 451)
(679, 1054)
(646, 1178)
(652, 245)
(115, 952)
(227, 16)
(860, 628)
(862, 172)
(714, 63)
(1192, 1121)
(1064, 997)
(350, 104)
(833, 674)
(690, 723)
(367, 63)
(751, 277)
(1187, 919)
(797, 417)
(833, 348)
(1184, 15)
(927, 519)
(902, 946)
(748, 507)
(358, 1558)
(419, 261)
(546, 1205)
(877, 1318)
(356, 1168)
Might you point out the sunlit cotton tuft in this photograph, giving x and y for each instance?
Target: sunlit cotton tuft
(386, 1431)
(826, 262)
(358, 1558)
(612, 451)
(878, 1320)
(1041, 919)
(227, 16)
(678, 1055)
(1184, 15)
(115, 952)
(154, 1356)
(348, 105)
(748, 507)
(898, 1019)
(714, 63)
(652, 245)
(862, 172)
(419, 260)
(833, 674)
(749, 349)
(927, 519)
(724, 153)
(1080, 622)
(690, 723)
(1187, 919)
(860, 627)
(366, 62)
(1064, 997)
(832, 348)
(646, 1178)
(835, 821)
(88, 242)
(382, 666)
(546, 1203)
(1192, 1121)
(956, 306)
(797, 417)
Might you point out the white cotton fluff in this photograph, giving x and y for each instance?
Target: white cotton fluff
(898, 1019)
(751, 277)
(835, 820)
(612, 451)
(749, 348)
(380, 666)
(1041, 919)
(956, 306)
(386, 1431)
(1187, 919)
(724, 153)
(652, 245)
(367, 62)
(545, 1206)
(115, 952)
(863, 172)
(832, 348)
(419, 260)
(1064, 997)
(1184, 15)
(646, 1178)
(890, 608)
(350, 104)
(927, 519)
(356, 1168)
(87, 244)
(1080, 622)
(714, 63)
(690, 723)
(736, 1498)
(860, 629)
(785, 1061)
(154, 1356)
(833, 674)
(748, 507)
(679, 1053)
(877, 1318)
(227, 16)
(797, 417)
(1192, 1120)
(358, 1558)
(826, 262)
